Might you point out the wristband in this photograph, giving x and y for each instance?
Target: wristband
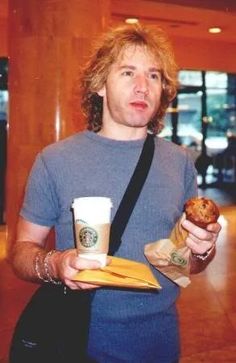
(205, 255)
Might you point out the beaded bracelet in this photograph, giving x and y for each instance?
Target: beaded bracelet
(46, 268)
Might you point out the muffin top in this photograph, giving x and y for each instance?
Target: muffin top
(201, 211)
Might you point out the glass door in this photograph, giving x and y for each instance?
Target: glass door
(202, 116)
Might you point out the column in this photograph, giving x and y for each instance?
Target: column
(48, 43)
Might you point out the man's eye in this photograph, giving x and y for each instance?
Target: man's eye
(127, 73)
(154, 76)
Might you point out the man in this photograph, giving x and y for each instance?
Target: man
(126, 87)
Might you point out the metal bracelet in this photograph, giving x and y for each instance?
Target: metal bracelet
(205, 255)
(37, 267)
(46, 268)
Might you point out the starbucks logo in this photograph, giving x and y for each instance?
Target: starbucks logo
(177, 259)
(88, 237)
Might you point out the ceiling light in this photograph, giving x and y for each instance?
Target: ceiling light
(215, 30)
(131, 21)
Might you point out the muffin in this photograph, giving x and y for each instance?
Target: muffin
(201, 211)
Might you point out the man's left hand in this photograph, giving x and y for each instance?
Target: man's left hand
(201, 240)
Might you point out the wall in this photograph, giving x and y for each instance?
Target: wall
(205, 54)
(3, 28)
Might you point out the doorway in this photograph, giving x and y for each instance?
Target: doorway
(202, 117)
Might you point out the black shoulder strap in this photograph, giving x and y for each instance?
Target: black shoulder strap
(131, 194)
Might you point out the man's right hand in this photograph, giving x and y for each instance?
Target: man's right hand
(65, 264)
(62, 265)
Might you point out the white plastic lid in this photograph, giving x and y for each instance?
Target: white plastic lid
(92, 210)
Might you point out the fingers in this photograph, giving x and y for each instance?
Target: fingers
(214, 227)
(76, 285)
(108, 261)
(73, 261)
(197, 232)
(183, 217)
(71, 265)
(84, 264)
(199, 246)
(85, 286)
(200, 240)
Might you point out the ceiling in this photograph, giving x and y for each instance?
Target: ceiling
(220, 5)
(182, 18)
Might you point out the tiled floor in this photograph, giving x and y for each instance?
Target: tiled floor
(207, 306)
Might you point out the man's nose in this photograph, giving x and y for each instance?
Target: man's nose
(141, 84)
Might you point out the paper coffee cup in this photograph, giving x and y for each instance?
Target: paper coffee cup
(92, 221)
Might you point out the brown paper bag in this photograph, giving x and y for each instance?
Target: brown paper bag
(171, 256)
(121, 273)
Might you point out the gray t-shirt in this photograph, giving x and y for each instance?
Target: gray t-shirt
(88, 164)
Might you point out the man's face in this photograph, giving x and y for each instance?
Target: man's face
(132, 92)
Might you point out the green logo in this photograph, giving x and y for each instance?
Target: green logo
(88, 236)
(177, 259)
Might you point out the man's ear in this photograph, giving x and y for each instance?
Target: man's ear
(102, 91)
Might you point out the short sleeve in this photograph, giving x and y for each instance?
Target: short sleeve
(191, 188)
(40, 205)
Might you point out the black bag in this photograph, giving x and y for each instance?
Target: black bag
(53, 327)
(45, 331)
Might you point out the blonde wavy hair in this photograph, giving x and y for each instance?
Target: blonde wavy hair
(106, 51)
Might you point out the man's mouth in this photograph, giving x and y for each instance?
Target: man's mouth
(139, 105)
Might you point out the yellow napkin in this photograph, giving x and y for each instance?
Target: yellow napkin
(121, 273)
